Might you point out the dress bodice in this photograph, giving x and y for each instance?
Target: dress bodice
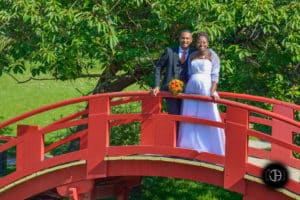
(201, 66)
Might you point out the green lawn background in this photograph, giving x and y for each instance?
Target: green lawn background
(18, 98)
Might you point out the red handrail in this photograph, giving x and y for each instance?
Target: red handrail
(96, 146)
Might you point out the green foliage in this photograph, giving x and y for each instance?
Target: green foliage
(257, 59)
(258, 41)
(126, 134)
(56, 136)
(156, 188)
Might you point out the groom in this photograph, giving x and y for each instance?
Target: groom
(173, 65)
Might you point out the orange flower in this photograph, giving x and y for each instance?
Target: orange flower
(175, 86)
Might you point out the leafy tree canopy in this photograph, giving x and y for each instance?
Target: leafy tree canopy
(258, 41)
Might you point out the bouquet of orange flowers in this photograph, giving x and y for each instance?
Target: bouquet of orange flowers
(175, 86)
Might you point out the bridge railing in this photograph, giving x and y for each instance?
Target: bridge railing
(157, 135)
(277, 128)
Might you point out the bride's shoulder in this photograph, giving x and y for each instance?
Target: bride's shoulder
(207, 60)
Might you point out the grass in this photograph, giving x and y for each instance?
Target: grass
(16, 99)
(20, 98)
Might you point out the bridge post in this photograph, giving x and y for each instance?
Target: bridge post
(82, 190)
(30, 152)
(157, 129)
(236, 149)
(283, 132)
(98, 138)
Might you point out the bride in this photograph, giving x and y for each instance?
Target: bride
(203, 81)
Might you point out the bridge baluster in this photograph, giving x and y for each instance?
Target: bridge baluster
(282, 131)
(236, 148)
(98, 136)
(157, 128)
(30, 152)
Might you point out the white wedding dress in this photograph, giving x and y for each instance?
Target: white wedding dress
(200, 137)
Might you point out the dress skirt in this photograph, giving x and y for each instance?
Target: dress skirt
(202, 138)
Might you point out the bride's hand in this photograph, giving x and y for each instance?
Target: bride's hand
(214, 95)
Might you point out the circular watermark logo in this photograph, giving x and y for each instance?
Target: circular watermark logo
(275, 175)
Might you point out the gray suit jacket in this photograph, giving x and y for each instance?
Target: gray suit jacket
(169, 67)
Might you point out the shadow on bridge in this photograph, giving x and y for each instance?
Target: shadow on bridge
(98, 169)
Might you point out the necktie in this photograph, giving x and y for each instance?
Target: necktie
(182, 59)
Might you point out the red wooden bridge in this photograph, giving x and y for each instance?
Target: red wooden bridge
(99, 170)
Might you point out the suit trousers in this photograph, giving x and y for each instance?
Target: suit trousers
(173, 106)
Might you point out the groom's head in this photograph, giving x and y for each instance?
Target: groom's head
(185, 39)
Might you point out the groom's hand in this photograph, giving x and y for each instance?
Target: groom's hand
(155, 91)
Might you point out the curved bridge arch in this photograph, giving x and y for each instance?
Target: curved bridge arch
(156, 155)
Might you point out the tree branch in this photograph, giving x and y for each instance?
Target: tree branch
(113, 7)
(29, 79)
(127, 79)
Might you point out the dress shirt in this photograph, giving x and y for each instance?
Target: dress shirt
(181, 51)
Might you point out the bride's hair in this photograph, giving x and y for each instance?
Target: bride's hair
(203, 34)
